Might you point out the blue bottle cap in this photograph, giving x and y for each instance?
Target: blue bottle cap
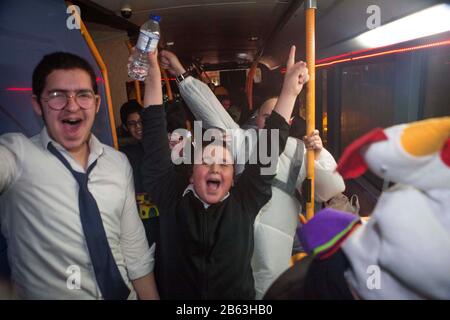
(155, 17)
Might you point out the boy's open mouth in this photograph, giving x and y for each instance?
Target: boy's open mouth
(213, 184)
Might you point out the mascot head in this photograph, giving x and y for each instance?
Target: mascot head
(416, 154)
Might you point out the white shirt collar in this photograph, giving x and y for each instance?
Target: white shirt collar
(205, 205)
(95, 149)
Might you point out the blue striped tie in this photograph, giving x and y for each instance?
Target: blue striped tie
(109, 279)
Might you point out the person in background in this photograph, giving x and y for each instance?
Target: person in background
(130, 115)
(401, 252)
(132, 124)
(224, 97)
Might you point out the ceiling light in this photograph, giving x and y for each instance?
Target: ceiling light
(243, 55)
(424, 23)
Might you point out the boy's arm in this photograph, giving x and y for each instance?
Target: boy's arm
(254, 185)
(158, 172)
(153, 90)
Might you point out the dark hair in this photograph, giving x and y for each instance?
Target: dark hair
(298, 127)
(188, 168)
(205, 143)
(220, 143)
(270, 85)
(128, 108)
(59, 61)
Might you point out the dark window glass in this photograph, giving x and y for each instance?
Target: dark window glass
(367, 102)
(437, 80)
(367, 99)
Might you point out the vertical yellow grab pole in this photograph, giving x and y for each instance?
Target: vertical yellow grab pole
(310, 11)
(104, 71)
(137, 86)
(249, 84)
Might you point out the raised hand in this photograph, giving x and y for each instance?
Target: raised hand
(153, 90)
(296, 75)
(294, 79)
(170, 62)
(153, 68)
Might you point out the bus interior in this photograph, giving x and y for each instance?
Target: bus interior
(363, 80)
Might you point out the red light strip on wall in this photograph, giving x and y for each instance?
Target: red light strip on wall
(348, 54)
(18, 89)
(97, 79)
(377, 54)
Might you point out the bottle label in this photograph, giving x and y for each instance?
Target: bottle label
(148, 41)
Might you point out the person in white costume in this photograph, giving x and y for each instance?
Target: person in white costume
(402, 252)
(408, 236)
(276, 223)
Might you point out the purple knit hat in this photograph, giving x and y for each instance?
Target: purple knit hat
(325, 230)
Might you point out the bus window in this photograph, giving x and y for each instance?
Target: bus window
(367, 99)
(437, 78)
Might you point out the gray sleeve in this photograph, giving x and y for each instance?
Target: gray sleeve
(204, 105)
(328, 182)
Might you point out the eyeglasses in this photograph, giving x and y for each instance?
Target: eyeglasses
(58, 100)
(134, 124)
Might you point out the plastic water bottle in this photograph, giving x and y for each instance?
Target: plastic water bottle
(147, 42)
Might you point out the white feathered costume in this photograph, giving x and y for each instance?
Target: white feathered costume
(407, 240)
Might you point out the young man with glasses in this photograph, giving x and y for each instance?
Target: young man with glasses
(67, 205)
(131, 119)
(132, 124)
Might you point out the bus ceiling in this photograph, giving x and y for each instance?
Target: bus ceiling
(224, 35)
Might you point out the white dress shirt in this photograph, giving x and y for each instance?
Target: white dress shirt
(190, 188)
(40, 218)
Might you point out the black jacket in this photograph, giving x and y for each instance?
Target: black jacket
(135, 154)
(148, 212)
(203, 253)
